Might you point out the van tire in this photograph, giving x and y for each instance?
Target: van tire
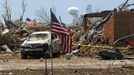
(23, 55)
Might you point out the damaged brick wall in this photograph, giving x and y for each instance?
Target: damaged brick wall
(109, 29)
(119, 25)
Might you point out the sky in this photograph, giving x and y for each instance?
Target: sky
(60, 5)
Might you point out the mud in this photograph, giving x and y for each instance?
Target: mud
(14, 65)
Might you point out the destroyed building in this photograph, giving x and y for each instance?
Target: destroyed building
(118, 25)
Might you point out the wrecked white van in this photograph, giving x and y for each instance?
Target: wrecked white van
(39, 44)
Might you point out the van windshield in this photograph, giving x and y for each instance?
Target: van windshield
(35, 37)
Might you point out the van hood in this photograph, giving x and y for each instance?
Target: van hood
(36, 42)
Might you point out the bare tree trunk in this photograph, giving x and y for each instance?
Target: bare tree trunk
(7, 14)
(43, 15)
(24, 4)
(122, 6)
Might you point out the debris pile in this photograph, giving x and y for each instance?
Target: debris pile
(92, 32)
(11, 40)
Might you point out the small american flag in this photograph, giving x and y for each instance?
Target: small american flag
(29, 22)
(60, 29)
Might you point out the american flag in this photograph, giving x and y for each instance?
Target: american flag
(29, 22)
(61, 30)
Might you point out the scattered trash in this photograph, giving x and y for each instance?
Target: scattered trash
(41, 59)
(7, 48)
(76, 52)
(1, 73)
(108, 54)
(68, 56)
(5, 31)
(5, 60)
(10, 73)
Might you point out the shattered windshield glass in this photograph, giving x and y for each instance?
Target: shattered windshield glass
(38, 37)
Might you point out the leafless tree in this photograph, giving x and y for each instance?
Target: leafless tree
(23, 7)
(124, 6)
(121, 7)
(128, 5)
(43, 14)
(89, 8)
(7, 14)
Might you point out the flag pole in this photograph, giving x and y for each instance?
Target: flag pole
(46, 72)
(51, 50)
(60, 19)
(61, 35)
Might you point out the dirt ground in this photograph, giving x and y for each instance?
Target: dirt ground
(12, 64)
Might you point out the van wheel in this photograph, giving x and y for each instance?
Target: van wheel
(46, 55)
(23, 55)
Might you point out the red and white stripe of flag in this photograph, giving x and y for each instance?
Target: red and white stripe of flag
(67, 44)
(58, 28)
(62, 31)
(66, 37)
